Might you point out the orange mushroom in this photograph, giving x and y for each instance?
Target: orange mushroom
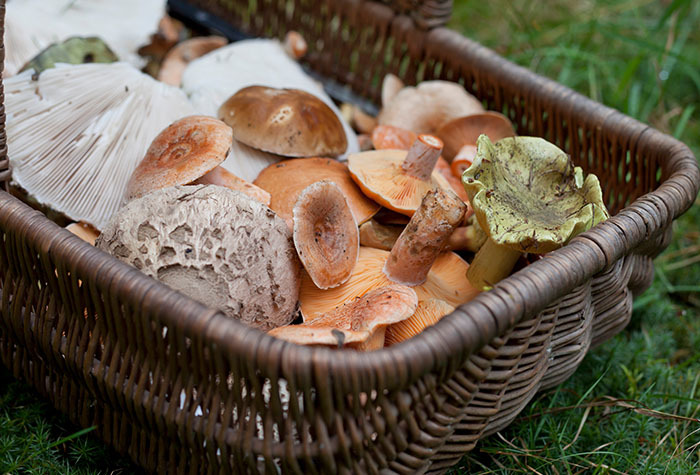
(396, 179)
(325, 234)
(287, 179)
(359, 324)
(428, 312)
(84, 231)
(390, 137)
(221, 177)
(465, 130)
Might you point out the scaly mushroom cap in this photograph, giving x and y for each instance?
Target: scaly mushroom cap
(184, 151)
(466, 130)
(446, 281)
(325, 234)
(287, 179)
(360, 323)
(528, 195)
(216, 245)
(219, 176)
(428, 312)
(288, 122)
(426, 108)
(383, 176)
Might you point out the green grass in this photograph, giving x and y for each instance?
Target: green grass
(633, 405)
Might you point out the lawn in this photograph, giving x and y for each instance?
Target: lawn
(634, 404)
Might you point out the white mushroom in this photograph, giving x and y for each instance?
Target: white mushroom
(216, 245)
(32, 25)
(77, 132)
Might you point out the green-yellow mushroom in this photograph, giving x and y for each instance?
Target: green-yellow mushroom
(529, 198)
(75, 50)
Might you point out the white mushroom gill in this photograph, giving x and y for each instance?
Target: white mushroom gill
(76, 134)
(32, 25)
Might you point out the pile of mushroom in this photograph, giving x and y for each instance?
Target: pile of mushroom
(244, 186)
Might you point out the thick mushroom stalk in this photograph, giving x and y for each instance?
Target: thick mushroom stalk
(528, 197)
(422, 157)
(424, 238)
(325, 234)
(360, 324)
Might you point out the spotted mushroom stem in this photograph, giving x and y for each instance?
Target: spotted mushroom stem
(422, 157)
(425, 236)
(493, 263)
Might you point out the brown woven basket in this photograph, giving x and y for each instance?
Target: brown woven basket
(182, 389)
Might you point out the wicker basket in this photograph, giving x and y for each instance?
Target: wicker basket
(182, 388)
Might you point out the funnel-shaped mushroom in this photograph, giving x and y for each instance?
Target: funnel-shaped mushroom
(462, 131)
(325, 234)
(428, 312)
(426, 108)
(32, 25)
(528, 197)
(396, 179)
(76, 134)
(216, 245)
(287, 179)
(288, 122)
(415, 260)
(359, 324)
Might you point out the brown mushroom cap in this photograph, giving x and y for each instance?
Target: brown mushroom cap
(360, 323)
(288, 122)
(287, 179)
(325, 234)
(186, 150)
(465, 130)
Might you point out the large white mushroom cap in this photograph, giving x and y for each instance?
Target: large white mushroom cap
(32, 25)
(210, 80)
(77, 132)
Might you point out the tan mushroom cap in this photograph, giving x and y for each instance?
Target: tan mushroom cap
(184, 151)
(466, 130)
(325, 234)
(387, 177)
(428, 312)
(287, 179)
(360, 323)
(177, 59)
(287, 122)
(446, 281)
(221, 177)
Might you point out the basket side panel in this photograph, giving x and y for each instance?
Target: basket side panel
(4, 162)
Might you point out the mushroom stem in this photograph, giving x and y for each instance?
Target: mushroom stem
(422, 157)
(491, 264)
(466, 238)
(425, 236)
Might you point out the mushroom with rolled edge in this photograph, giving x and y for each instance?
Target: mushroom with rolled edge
(32, 25)
(396, 179)
(429, 106)
(189, 150)
(77, 132)
(359, 324)
(287, 179)
(416, 260)
(215, 245)
(325, 234)
(528, 197)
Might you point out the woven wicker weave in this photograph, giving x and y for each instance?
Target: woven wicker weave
(184, 389)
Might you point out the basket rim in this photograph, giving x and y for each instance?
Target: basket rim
(443, 347)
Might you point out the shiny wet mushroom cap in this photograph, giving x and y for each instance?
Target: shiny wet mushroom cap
(287, 122)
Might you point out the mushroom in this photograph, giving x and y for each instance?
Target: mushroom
(84, 231)
(415, 260)
(384, 236)
(464, 131)
(216, 245)
(295, 45)
(32, 25)
(528, 197)
(77, 132)
(221, 177)
(360, 324)
(396, 179)
(177, 59)
(216, 76)
(428, 312)
(288, 122)
(287, 179)
(427, 107)
(325, 234)
(391, 86)
(75, 50)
